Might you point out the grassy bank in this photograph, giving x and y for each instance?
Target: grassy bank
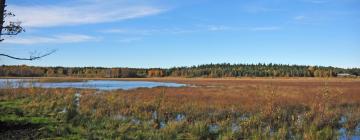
(211, 110)
(59, 80)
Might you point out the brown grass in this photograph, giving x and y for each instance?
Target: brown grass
(269, 103)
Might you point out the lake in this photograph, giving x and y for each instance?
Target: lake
(92, 84)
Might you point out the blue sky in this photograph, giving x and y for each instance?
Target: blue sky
(167, 33)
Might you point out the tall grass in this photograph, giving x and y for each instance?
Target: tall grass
(225, 112)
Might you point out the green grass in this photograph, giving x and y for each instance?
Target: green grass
(18, 124)
(15, 119)
(23, 125)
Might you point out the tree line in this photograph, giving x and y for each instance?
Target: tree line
(206, 71)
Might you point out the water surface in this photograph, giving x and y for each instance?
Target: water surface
(92, 84)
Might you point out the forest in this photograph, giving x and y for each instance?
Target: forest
(205, 71)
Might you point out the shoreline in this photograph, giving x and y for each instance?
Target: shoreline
(201, 80)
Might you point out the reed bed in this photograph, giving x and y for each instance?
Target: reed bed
(208, 110)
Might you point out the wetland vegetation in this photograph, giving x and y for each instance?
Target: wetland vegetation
(213, 109)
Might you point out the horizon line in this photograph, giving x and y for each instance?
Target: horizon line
(355, 67)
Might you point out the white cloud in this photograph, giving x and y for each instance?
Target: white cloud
(300, 17)
(129, 40)
(218, 28)
(85, 13)
(195, 29)
(259, 8)
(58, 39)
(131, 31)
(234, 28)
(115, 31)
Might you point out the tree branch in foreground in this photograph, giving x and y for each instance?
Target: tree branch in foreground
(31, 57)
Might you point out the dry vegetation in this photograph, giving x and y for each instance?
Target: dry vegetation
(208, 109)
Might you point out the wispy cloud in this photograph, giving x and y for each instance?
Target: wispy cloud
(90, 12)
(218, 28)
(317, 1)
(131, 31)
(129, 39)
(259, 7)
(270, 28)
(57, 39)
(188, 30)
(301, 17)
(306, 20)
(240, 29)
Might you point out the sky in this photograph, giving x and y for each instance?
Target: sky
(168, 33)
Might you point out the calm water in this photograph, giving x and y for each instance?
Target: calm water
(93, 84)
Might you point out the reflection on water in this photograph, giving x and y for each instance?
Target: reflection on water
(345, 134)
(93, 84)
(214, 128)
(180, 117)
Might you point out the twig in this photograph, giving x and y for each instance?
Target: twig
(31, 57)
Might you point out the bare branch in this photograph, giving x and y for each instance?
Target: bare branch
(13, 28)
(31, 57)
